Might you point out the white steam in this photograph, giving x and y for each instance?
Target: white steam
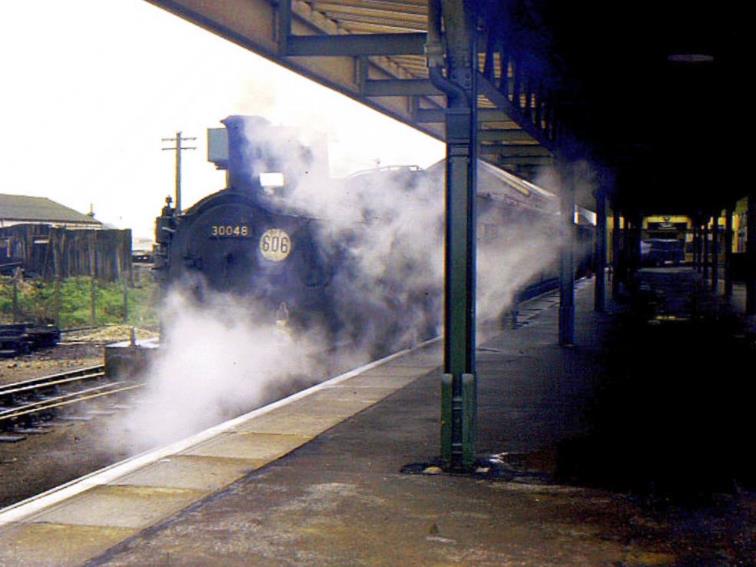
(389, 227)
(523, 254)
(217, 362)
(387, 231)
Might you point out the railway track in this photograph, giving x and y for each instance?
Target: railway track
(23, 402)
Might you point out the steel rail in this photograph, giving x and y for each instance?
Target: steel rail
(58, 397)
(50, 384)
(43, 380)
(67, 399)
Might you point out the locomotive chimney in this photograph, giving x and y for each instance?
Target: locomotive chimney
(261, 158)
(241, 162)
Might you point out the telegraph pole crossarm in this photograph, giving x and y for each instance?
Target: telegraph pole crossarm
(178, 148)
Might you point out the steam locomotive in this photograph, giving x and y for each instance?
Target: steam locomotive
(230, 242)
(304, 269)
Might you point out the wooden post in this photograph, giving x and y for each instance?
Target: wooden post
(93, 282)
(125, 299)
(178, 148)
(16, 277)
(58, 246)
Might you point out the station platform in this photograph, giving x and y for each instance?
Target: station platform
(630, 449)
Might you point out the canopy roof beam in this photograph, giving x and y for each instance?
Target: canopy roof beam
(515, 150)
(510, 136)
(355, 45)
(437, 116)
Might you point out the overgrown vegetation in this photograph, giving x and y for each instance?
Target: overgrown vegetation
(69, 303)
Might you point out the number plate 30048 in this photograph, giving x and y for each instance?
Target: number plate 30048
(230, 231)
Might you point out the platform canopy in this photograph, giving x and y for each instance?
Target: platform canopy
(648, 92)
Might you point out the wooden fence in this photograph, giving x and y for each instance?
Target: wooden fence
(50, 253)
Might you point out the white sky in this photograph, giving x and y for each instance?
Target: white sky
(89, 87)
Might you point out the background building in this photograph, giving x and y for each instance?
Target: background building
(49, 240)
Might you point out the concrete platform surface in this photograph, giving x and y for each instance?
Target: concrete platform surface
(601, 468)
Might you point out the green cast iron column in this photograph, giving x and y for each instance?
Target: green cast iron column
(728, 252)
(599, 299)
(616, 252)
(715, 253)
(751, 255)
(706, 248)
(459, 386)
(567, 267)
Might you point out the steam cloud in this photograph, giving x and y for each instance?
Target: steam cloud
(217, 361)
(215, 364)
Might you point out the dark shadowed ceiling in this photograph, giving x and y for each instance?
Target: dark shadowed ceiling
(655, 91)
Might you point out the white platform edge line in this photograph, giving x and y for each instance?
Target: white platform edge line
(40, 502)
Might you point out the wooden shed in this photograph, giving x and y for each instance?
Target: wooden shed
(49, 240)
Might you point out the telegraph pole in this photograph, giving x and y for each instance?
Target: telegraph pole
(178, 148)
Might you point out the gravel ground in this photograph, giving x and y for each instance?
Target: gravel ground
(50, 361)
(77, 349)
